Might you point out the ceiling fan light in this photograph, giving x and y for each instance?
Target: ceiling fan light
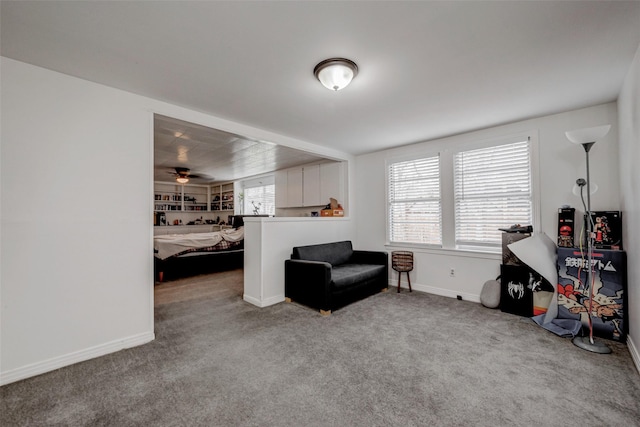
(335, 73)
(182, 179)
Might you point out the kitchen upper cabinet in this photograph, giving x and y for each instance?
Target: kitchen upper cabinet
(282, 190)
(332, 182)
(294, 187)
(311, 185)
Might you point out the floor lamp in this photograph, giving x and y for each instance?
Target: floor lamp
(587, 137)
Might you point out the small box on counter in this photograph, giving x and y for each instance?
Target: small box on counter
(326, 212)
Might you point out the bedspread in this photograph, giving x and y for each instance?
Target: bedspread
(175, 244)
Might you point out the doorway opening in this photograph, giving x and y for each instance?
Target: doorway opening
(199, 182)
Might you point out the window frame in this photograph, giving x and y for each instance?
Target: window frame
(388, 165)
(257, 182)
(446, 149)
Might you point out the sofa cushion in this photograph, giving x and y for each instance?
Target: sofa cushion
(349, 274)
(335, 253)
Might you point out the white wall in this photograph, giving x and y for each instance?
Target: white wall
(561, 163)
(269, 242)
(629, 123)
(76, 168)
(76, 278)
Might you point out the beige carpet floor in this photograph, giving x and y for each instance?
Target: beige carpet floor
(407, 359)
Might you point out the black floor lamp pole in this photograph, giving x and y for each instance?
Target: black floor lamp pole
(588, 343)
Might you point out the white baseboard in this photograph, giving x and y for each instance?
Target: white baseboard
(75, 357)
(436, 291)
(263, 303)
(252, 300)
(634, 353)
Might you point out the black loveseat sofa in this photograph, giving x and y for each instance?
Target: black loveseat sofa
(331, 275)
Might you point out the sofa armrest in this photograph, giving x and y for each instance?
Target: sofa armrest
(370, 257)
(308, 282)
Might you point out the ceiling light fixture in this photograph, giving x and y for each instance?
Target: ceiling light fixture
(335, 73)
(182, 175)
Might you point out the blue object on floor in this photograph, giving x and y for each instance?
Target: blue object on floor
(562, 327)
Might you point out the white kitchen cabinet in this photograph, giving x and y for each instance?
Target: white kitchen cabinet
(332, 182)
(311, 186)
(294, 187)
(282, 197)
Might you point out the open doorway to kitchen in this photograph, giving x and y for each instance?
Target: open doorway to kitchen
(201, 175)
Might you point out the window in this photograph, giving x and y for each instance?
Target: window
(492, 190)
(259, 197)
(414, 201)
(461, 197)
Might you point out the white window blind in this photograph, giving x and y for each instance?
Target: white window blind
(260, 200)
(414, 201)
(492, 190)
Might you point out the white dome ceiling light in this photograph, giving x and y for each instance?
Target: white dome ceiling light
(335, 73)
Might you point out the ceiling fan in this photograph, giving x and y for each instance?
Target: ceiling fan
(183, 175)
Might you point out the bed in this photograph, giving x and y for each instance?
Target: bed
(183, 255)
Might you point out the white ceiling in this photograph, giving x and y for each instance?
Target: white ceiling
(214, 155)
(426, 69)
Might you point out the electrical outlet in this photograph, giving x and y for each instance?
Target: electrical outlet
(452, 272)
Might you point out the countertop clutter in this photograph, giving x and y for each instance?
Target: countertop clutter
(332, 209)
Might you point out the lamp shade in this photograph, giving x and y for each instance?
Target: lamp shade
(335, 73)
(576, 189)
(587, 135)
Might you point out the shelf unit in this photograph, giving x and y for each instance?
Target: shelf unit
(173, 197)
(222, 199)
(180, 198)
(195, 198)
